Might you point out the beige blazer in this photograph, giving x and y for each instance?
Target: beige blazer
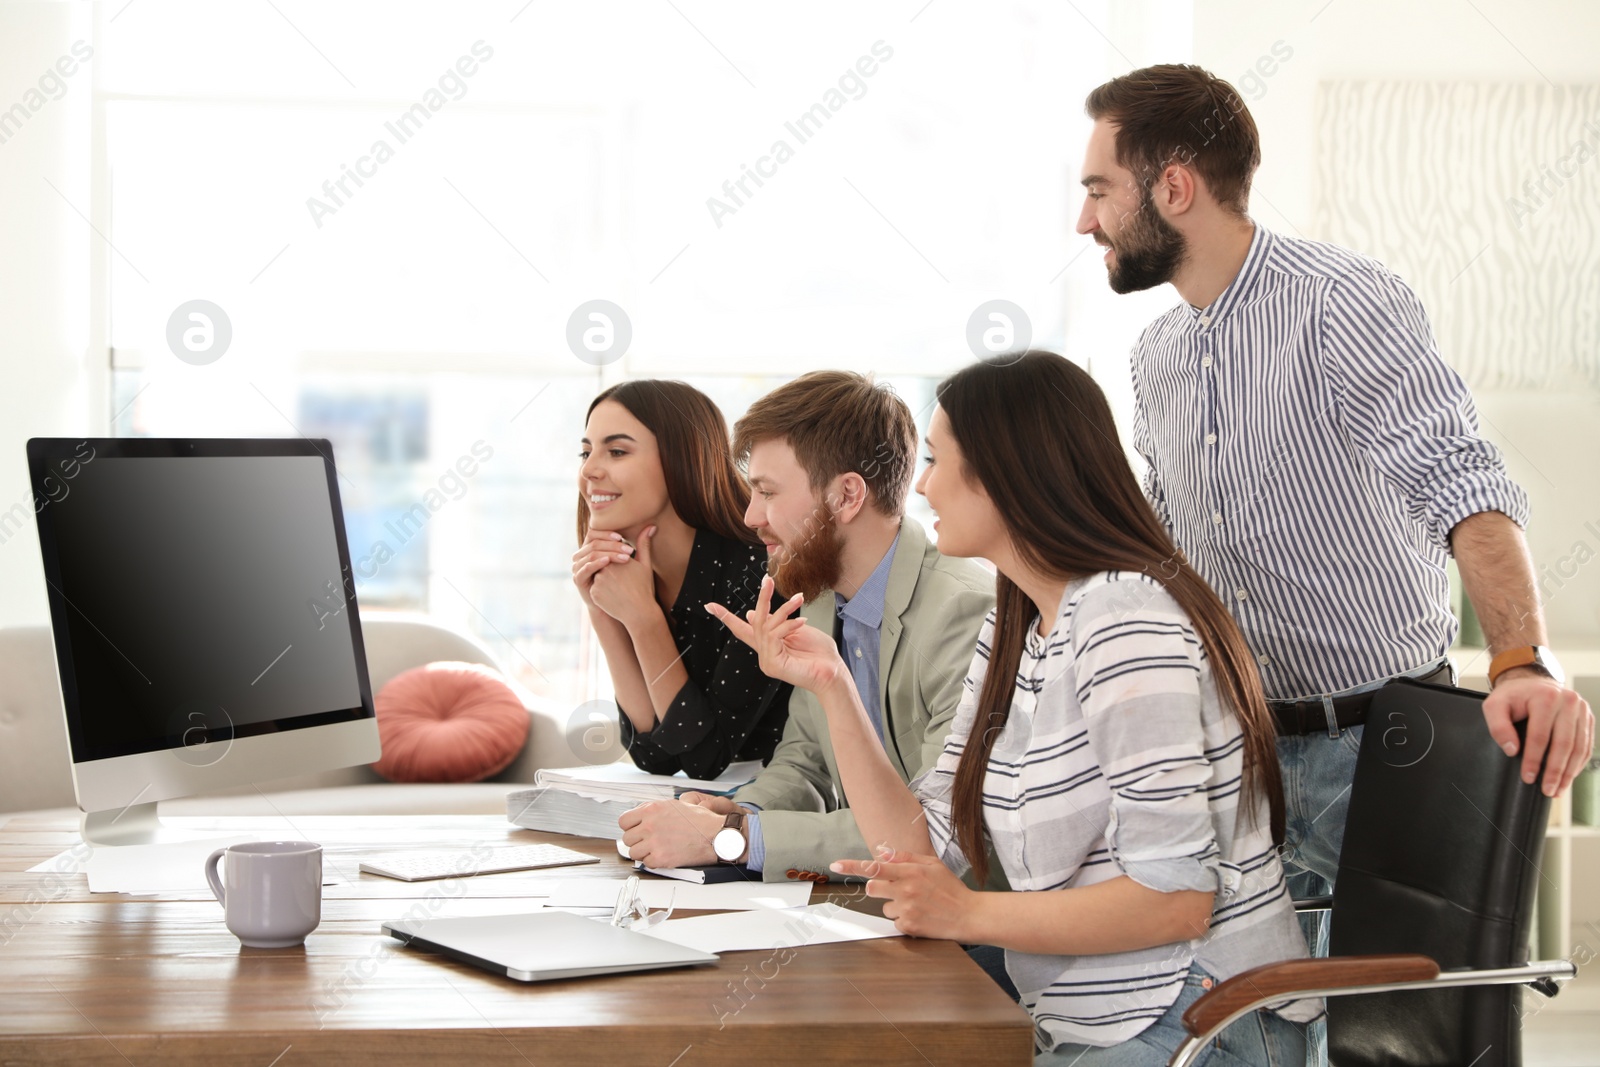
(933, 609)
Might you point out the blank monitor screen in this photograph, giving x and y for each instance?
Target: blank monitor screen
(202, 588)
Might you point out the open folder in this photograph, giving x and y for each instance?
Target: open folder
(544, 945)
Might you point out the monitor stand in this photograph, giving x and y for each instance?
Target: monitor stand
(136, 824)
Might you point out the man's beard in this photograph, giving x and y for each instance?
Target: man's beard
(1149, 251)
(813, 566)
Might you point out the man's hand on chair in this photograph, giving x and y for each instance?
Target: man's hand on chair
(1560, 731)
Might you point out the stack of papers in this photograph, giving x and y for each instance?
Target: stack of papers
(588, 801)
(624, 781)
(560, 812)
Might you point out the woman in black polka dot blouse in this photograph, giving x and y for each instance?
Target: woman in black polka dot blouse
(661, 533)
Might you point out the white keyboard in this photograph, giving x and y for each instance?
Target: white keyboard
(463, 863)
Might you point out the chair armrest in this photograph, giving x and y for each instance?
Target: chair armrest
(1307, 904)
(1276, 981)
(1338, 977)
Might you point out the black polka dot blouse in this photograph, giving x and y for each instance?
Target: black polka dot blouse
(728, 711)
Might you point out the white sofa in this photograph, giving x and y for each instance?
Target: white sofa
(35, 769)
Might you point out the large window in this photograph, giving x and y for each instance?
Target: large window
(390, 214)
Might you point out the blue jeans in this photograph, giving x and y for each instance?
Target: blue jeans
(1317, 771)
(1260, 1039)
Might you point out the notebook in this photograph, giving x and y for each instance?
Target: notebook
(544, 945)
(710, 875)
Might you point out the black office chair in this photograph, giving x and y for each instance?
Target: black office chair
(1432, 905)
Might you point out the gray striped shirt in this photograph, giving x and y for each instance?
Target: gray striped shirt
(1117, 759)
(1311, 452)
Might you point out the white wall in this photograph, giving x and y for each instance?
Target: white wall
(50, 384)
(1419, 40)
(1102, 326)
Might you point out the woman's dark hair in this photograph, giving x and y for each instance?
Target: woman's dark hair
(703, 485)
(1035, 432)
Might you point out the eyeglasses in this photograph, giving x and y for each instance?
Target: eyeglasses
(632, 913)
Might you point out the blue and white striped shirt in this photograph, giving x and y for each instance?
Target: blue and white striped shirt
(1311, 452)
(1118, 759)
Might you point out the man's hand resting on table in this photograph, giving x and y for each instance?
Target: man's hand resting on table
(674, 833)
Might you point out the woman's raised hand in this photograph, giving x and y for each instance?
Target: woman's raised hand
(790, 650)
(600, 548)
(626, 589)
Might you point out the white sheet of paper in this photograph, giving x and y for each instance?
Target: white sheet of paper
(739, 896)
(819, 924)
(69, 862)
(76, 858)
(168, 867)
(161, 868)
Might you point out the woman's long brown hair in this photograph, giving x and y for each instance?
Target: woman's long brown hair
(1035, 432)
(703, 485)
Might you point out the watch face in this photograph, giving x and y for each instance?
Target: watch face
(1547, 661)
(728, 844)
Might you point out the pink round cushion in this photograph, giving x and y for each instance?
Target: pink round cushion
(448, 722)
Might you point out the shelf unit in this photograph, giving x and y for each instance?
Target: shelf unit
(1555, 888)
(1555, 933)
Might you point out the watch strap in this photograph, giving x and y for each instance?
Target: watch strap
(1522, 656)
(735, 822)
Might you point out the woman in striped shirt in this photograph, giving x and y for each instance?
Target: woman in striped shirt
(1116, 755)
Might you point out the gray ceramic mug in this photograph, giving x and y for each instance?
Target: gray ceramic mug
(270, 891)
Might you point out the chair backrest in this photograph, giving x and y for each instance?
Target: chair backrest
(1441, 857)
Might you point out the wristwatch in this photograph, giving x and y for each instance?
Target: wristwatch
(729, 844)
(1536, 656)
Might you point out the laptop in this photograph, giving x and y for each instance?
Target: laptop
(543, 946)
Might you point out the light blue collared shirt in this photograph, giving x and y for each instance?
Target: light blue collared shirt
(861, 625)
(860, 628)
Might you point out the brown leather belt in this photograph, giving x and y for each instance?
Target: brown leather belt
(1297, 717)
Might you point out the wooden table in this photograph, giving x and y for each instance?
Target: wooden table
(114, 980)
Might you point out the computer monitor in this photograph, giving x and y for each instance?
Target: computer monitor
(205, 619)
